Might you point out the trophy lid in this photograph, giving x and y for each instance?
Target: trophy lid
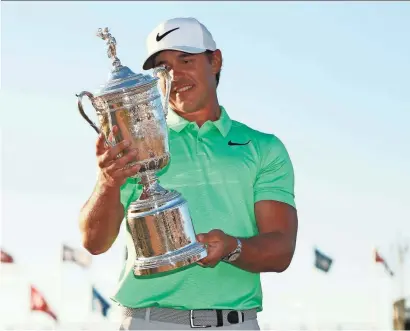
(121, 77)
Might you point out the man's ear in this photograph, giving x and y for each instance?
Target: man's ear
(216, 61)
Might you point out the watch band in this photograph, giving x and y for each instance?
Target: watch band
(232, 256)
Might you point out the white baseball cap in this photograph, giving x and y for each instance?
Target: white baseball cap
(185, 34)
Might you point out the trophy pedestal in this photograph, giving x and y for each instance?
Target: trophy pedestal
(169, 261)
(161, 228)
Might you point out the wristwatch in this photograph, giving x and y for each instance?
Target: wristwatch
(232, 256)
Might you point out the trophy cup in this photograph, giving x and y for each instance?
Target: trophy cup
(159, 221)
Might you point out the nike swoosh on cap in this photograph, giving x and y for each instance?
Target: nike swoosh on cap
(160, 37)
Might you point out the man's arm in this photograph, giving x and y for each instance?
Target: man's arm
(100, 219)
(270, 251)
(273, 248)
(101, 216)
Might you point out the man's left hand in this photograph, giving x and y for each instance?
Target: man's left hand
(218, 245)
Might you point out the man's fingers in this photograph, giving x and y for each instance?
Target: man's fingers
(112, 134)
(117, 149)
(214, 247)
(207, 263)
(120, 163)
(201, 237)
(211, 236)
(132, 171)
(100, 146)
(114, 167)
(111, 153)
(213, 256)
(122, 174)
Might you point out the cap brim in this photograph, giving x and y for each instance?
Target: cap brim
(149, 64)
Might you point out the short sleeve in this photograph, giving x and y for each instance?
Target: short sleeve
(275, 179)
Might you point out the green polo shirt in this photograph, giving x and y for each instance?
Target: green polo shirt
(221, 183)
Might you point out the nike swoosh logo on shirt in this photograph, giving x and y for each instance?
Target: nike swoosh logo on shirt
(230, 143)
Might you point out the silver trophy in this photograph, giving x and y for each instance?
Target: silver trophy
(159, 221)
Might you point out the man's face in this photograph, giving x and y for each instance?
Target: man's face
(193, 78)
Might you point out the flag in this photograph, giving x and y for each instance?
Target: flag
(322, 262)
(379, 259)
(39, 303)
(77, 256)
(5, 257)
(99, 304)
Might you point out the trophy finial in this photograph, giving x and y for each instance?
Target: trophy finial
(104, 34)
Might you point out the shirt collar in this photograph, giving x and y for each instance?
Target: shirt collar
(178, 123)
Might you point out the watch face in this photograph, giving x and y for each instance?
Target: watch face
(234, 256)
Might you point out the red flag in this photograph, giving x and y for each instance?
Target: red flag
(379, 259)
(39, 303)
(5, 258)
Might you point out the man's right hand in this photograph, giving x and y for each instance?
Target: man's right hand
(112, 173)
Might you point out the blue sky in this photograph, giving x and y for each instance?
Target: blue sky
(330, 79)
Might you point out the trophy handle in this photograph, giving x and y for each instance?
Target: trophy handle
(168, 82)
(81, 109)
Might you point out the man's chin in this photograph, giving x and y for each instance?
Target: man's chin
(185, 107)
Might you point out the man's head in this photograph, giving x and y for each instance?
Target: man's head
(187, 49)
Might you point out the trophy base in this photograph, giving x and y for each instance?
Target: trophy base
(162, 231)
(170, 261)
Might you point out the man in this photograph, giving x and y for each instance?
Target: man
(239, 184)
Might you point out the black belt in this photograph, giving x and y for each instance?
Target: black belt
(202, 318)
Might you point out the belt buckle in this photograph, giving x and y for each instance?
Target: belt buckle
(191, 321)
